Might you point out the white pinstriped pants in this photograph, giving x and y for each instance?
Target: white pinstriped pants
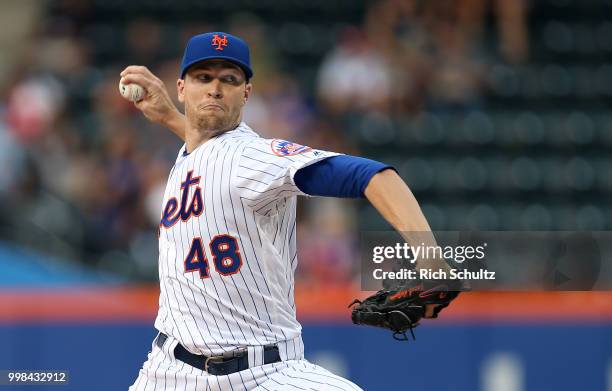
(162, 371)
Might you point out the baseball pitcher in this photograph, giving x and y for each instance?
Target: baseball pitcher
(227, 235)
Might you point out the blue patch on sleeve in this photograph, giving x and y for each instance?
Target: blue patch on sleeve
(342, 176)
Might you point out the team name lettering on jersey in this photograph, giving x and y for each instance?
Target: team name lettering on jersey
(172, 212)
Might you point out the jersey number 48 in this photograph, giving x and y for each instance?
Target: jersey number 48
(226, 256)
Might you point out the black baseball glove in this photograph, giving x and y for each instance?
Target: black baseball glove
(400, 308)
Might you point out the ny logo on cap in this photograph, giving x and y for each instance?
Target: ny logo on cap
(219, 42)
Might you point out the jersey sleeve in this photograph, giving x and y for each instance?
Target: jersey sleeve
(266, 171)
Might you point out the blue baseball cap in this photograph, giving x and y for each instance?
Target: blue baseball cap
(217, 45)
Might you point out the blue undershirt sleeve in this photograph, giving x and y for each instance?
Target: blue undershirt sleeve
(338, 176)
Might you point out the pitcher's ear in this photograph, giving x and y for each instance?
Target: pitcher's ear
(247, 92)
(180, 89)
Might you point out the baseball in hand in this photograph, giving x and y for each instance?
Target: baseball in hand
(132, 92)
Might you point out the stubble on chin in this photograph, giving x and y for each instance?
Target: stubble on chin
(212, 126)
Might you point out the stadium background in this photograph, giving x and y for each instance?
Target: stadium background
(495, 112)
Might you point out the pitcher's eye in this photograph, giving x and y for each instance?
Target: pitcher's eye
(230, 79)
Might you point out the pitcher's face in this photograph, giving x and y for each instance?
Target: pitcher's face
(214, 93)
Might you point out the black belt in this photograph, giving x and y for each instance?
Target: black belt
(219, 365)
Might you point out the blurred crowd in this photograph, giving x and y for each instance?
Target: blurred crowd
(82, 172)
(411, 56)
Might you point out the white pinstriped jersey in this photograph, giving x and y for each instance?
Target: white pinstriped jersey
(227, 244)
